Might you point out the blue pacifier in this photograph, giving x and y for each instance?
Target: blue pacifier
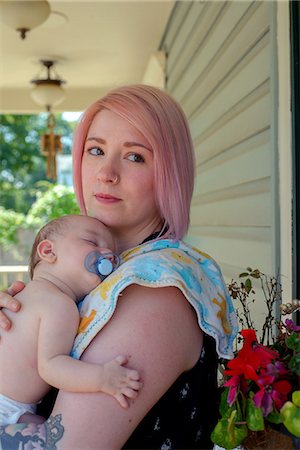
(102, 264)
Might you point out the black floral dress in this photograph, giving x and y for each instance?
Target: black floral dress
(185, 416)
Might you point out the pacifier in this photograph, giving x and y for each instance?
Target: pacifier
(102, 264)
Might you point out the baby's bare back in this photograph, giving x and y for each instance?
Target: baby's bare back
(19, 377)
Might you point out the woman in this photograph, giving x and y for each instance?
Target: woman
(134, 171)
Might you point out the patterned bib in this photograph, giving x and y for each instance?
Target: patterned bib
(164, 263)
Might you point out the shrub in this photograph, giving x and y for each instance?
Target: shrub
(54, 202)
(57, 201)
(10, 222)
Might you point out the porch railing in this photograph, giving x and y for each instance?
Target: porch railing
(8, 274)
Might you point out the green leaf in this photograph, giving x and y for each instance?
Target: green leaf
(293, 342)
(224, 406)
(254, 417)
(243, 274)
(294, 364)
(249, 269)
(248, 285)
(291, 418)
(228, 435)
(296, 398)
(275, 417)
(255, 274)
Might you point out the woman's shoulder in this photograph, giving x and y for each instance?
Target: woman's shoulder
(156, 319)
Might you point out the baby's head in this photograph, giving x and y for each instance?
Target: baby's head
(69, 239)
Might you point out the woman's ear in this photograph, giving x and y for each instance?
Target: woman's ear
(45, 250)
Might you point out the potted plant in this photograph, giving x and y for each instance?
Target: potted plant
(260, 389)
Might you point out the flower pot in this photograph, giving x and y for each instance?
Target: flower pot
(267, 440)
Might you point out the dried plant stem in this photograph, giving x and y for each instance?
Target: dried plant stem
(271, 289)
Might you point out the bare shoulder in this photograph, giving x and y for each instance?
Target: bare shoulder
(167, 312)
(155, 325)
(46, 297)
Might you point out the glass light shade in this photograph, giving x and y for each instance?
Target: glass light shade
(48, 94)
(24, 14)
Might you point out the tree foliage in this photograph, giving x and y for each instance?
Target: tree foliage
(52, 201)
(55, 202)
(21, 162)
(10, 222)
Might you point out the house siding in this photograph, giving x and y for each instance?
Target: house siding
(221, 67)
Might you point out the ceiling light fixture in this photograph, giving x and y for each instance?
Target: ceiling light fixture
(48, 91)
(24, 15)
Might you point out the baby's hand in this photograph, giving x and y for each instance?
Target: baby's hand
(7, 301)
(120, 382)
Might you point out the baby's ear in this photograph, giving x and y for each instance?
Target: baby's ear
(45, 250)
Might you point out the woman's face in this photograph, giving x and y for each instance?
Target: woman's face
(118, 178)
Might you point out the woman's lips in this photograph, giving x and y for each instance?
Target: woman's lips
(106, 198)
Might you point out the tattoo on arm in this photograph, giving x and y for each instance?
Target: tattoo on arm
(54, 431)
(22, 436)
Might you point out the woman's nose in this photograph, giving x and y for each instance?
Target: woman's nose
(108, 174)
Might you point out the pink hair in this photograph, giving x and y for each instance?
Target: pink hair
(163, 124)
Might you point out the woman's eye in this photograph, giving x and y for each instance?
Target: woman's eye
(95, 151)
(135, 157)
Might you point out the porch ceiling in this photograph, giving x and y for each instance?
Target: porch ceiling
(100, 44)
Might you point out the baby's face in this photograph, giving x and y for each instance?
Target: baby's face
(89, 233)
(81, 236)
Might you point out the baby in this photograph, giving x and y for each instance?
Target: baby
(35, 355)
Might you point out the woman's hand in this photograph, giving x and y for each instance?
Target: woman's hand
(7, 301)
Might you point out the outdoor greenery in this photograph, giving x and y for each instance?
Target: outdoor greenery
(10, 222)
(22, 164)
(52, 201)
(28, 198)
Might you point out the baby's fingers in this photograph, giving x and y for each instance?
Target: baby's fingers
(5, 323)
(133, 375)
(8, 302)
(14, 288)
(129, 393)
(121, 360)
(136, 385)
(122, 400)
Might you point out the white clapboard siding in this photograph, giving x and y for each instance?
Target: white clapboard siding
(220, 67)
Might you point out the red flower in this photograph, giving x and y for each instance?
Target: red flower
(239, 366)
(251, 357)
(276, 369)
(235, 384)
(271, 392)
(256, 351)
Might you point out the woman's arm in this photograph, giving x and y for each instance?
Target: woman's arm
(59, 320)
(158, 329)
(7, 301)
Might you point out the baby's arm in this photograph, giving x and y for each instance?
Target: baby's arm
(58, 327)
